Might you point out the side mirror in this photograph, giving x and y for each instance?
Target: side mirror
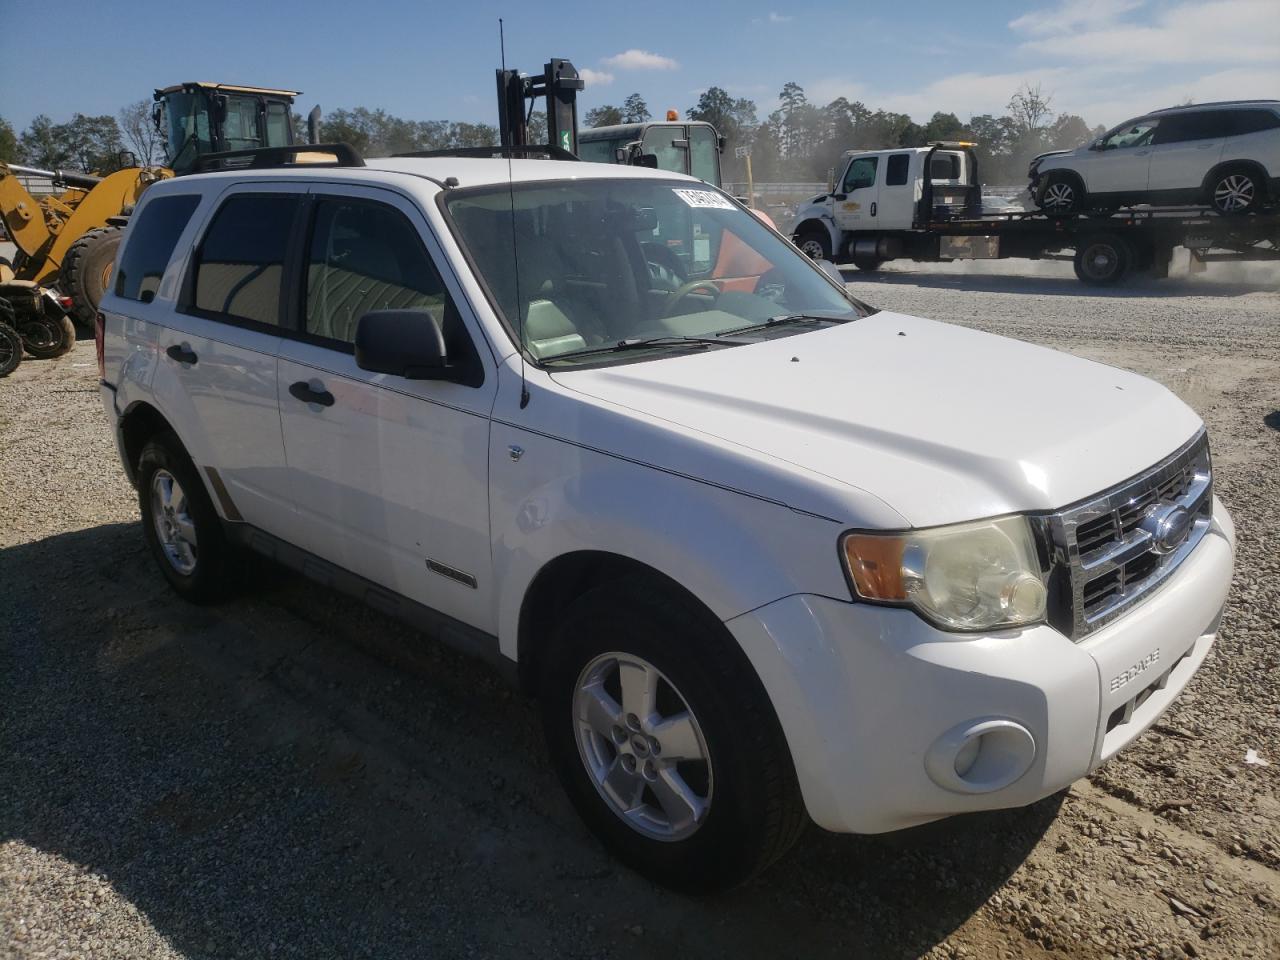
(403, 343)
(832, 271)
(157, 115)
(649, 160)
(1096, 144)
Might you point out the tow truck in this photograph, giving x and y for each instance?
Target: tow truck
(692, 147)
(926, 204)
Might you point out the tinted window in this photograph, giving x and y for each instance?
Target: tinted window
(151, 238)
(862, 173)
(895, 174)
(240, 127)
(1252, 121)
(277, 124)
(365, 256)
(242, 258)
(1202, 125)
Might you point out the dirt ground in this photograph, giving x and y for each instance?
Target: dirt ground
(293, 775)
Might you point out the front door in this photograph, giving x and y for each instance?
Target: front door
(857, 195)
(1122, 165)
(389, 476)
(896, 204)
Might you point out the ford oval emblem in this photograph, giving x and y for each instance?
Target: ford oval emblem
(1168, 524)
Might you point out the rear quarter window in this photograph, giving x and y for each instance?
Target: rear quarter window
(1253, 121)
(152, 237)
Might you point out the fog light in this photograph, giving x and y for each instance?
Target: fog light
(981, 756)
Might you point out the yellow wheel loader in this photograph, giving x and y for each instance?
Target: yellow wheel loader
(68, 239)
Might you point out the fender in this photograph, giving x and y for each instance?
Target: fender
(553, 494)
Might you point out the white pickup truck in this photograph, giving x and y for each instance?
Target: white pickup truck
(761, 551)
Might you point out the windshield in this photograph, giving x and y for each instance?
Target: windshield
(615, 262)
(188, 129)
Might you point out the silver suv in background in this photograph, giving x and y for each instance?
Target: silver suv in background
(1226, 155)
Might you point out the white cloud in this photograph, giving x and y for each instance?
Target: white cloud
(1218, 31)
(779, 18)
(595, 78)
(640, 60)
(1073, 14)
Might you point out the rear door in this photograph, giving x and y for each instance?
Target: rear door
(216, 373)
(389, 476)
(1186, 148)
(896, 203)
(858, 193)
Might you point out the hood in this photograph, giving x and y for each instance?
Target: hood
(1050, 153)
(941, 422)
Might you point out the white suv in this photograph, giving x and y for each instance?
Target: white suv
(758, 549)
(1226, 155)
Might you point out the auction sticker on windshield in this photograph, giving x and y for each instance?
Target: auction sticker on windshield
(704, 198)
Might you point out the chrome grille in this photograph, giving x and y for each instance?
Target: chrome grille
(1111, 550)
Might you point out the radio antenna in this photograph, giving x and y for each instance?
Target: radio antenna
(515, 245)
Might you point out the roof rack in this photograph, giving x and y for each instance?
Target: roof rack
(1211, 103)
(530, 150)
(264, 158)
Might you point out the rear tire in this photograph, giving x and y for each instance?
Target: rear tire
(86, 272)
(741, 807)
(1236, 191)
(179, 522)
(1102, 259)
(47, 336)
(815, 244)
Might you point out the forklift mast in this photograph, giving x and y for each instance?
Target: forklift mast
(560, 84)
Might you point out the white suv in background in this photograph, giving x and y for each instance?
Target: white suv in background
(1226, 155)
(759, 550)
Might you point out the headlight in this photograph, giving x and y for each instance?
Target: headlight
(970, 576)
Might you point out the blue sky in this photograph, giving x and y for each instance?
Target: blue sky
(1104, 59)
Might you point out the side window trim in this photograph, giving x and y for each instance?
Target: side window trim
(186, 301)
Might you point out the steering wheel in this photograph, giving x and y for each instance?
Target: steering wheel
(661, 255)
(685, 290)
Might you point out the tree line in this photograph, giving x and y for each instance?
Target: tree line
(797, 141)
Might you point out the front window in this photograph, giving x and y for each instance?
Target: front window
(278, 134)
(704, 154)
(242, 129)
(189, 133)
(1135, 133)
(619, 270)
(861, 173)
(670, 146)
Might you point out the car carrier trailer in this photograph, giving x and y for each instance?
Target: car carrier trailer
(926, 204)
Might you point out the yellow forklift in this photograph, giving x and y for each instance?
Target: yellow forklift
(69, 238)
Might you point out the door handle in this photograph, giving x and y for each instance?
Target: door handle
(307, 394)
(873, 208)
(182, 353)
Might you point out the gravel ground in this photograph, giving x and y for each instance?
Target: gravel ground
(292, 775)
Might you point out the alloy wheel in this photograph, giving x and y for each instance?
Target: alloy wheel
(174, 526)
(642, 746)
(1059, 196)
(1234, 193)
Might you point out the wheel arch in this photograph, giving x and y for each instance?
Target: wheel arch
(818, 224)
(1062, 173)
(564, 579)
(1251, 166)
(138, 424)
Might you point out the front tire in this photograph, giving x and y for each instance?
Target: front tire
(1236, 191)
(665, 741)
(86, 272)
(1061, 195)
(179, 522)
(10, 349)
(815, 244)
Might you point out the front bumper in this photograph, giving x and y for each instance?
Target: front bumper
(866, 693)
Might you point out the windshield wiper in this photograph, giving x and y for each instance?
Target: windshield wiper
(700, 343)
(784, 319)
